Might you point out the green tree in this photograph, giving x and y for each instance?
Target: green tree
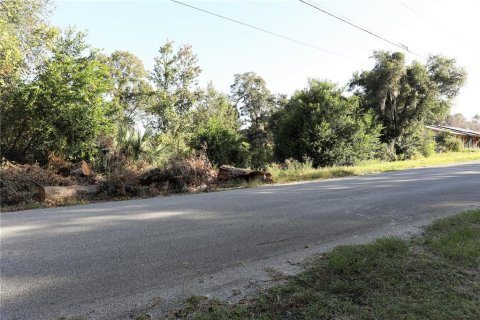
(217, 125)
(175, 76)
(405, 97)
(256, 104)
(214, 104)
(62, 109)
(132, 93)
(322, 124)
(25, 37)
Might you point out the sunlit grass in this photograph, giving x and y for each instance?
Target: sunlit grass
(302, 172)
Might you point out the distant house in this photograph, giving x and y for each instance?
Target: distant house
(470, 138)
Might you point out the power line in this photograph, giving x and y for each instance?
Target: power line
(436, 25)
(399, 45)
(271, 33)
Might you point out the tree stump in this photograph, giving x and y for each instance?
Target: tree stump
(61, 193)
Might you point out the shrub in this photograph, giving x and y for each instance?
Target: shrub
(222, 145)
(386, 152)
(427, 145)
(414, 142)
(448, 142)
(120, 174)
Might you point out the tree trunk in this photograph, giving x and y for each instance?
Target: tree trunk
(226, 173)
(80, 169)
(60, 193)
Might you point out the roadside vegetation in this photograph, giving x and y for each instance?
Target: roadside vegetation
(432, 276)
(294, 171)
(64, 102)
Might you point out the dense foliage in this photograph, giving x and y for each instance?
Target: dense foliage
(256, 104)
(58, 95)
(406, 97)
(322, 124)
(62, 109)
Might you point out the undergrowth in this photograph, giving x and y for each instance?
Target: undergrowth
(292, 170)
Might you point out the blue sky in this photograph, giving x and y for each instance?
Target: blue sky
(225, 48)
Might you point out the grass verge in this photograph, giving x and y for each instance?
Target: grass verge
(434, 276)
(303, 172)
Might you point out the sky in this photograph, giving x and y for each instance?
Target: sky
(225, 48)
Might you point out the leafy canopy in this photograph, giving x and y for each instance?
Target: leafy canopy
(406, 97)
(62, 110)
(25, 37)
(132, 93)
(256, 104)
(320, 123)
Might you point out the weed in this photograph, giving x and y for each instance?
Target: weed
(435, 276)
(296, 171)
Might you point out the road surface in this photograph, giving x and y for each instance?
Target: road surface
(114, 259)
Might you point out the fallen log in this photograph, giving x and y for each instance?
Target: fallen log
(226, 173)
(60, 193)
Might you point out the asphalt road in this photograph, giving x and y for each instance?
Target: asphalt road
(114, 259)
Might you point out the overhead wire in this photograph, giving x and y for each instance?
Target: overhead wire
(271, 32)
(349, 22)
(436, 25)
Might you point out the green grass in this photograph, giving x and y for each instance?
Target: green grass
(299, 172)
(434, 276)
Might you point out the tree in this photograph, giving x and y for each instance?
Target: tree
(217, 125)
(62, 110)
(175, 76)
(406, 97)
(214, 104)
(475, 123)
(255, 104)
(131, 92)
(25, 37)
(458, 120)
(320, 123)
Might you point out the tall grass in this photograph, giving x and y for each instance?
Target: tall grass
(293, 170)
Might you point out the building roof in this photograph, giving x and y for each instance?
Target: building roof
(455, 130)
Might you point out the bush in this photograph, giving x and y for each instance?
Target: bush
(222, 145)
(386, 152)
(427, 145)
(449, 143)
(61, 109)
(414, 142)
(121, 169)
